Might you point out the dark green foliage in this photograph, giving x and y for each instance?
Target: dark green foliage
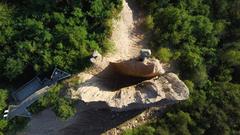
(206, 34)
(149, 24)
(13, 67)
(231, 57)
(62, 106)
(190, 85)
(14, 125)
(65, 109)
(143, 130)
(3, 98)
(43, 35)
(164, 54)
(3, 105)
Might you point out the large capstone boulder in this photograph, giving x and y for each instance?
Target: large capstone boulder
(134, 67)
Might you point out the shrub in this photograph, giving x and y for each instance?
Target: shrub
(62, 106)
(64, 109)
(142, 130)
(164, 54)
(149, 24)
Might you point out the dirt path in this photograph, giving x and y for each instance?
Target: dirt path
(128, 38)
(127, 35)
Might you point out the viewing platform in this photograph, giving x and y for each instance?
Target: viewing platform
(30, 92)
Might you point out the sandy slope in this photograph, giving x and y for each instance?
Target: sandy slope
(126, 35)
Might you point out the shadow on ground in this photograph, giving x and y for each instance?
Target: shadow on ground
(113, 80)
(92, 121)
(97, 121)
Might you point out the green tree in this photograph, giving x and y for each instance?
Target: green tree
(232, 57)
(13, 68)
(142, 130)
(190, 85)
(3, 125)
(97, 8)
(62, 106)
(182, 120)
(64, 109)
(3, 104)
(174, 26)
(3, 98)
(149, 23)
(164, 54)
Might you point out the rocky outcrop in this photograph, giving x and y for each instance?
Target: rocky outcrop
(104, 87)
(162, 90)
(147, 68)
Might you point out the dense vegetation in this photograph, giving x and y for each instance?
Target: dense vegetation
(41, 35)
(202, 37)
(38, 35)
(3, 104)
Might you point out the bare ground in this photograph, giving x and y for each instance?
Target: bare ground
(128, 35)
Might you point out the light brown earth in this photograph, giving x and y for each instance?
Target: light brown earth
(128, 36)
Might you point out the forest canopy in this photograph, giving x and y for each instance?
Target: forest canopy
(39, 35)
(202, 38)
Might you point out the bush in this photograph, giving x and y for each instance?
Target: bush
(142, 130)
(64, 109)
(164, 54)
(3, 98)
(16, 124)
(190, 85)
(3, 105)
(62, 106)
(149, 24)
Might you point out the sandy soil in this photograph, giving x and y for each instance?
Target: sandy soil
(128, 35)
(128, 38)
